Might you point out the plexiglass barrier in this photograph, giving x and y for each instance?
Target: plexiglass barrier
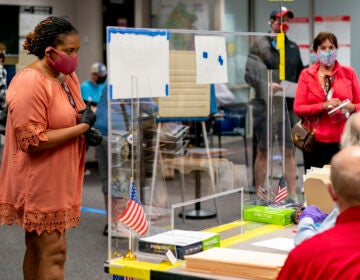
(219, 130)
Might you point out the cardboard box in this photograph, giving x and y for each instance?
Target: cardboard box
(269, 215)
(180, 242)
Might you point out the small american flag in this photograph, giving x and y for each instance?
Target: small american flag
(134, 215)
(282, 190)
(116, 277)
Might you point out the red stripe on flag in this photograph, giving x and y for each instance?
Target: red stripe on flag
(134, 215)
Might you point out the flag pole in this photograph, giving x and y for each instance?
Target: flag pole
(130, 255)
(134, 215)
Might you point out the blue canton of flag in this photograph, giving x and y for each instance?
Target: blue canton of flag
(116, 277)
(134, 215)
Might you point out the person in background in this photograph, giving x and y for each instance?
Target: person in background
(91, 89)
(334, 253)
(3, 76)
(312, 220)
(264, 56)
(321, 88)
(121, 118)
(3, 87)
(44, 153)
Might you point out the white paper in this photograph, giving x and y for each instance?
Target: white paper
(138, 64)
(279, 243)
(171, 256)
(211, 59)
(289, 89)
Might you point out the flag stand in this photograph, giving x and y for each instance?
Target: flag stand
(130, 256)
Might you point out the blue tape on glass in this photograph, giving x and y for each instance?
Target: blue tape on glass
(137, 31)
(221, 60)
(110, 91)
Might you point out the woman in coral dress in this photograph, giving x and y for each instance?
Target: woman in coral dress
(44, 153)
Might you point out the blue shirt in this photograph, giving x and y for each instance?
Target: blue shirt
(91, 92)
(307, 228)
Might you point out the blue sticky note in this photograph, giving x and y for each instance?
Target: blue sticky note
(205, 55)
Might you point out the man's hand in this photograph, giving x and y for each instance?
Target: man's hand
(314, 213)
(276, 87)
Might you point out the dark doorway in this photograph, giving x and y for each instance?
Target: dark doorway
(117, 13)
(9, 34)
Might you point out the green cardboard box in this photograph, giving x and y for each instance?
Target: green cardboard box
(269, 215)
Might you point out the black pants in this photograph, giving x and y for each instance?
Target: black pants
(321, 154)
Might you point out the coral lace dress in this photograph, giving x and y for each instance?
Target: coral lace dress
(41, 190)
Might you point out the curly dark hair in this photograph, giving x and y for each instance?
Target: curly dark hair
(322, 37)
(49, 32)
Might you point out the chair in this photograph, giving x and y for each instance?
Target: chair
(231, 121)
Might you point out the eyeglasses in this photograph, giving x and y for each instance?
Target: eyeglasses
(67, 90)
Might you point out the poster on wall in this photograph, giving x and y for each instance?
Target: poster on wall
(184, 14)
(339, 25)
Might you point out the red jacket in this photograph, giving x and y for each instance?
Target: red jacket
(310, 97)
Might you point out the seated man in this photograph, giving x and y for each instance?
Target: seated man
(312, 221)
(334, 253)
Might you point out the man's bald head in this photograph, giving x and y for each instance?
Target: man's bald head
(351, 133)
(345, 177)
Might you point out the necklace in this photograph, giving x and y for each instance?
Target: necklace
(327, 83)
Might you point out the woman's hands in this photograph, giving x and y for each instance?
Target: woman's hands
(88, 116)
(331, 104)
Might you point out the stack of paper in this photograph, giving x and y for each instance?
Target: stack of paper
(236, 263)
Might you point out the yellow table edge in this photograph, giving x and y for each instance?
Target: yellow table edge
(138, 269)
(141, 270)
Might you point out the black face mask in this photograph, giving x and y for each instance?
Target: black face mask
(101, 80)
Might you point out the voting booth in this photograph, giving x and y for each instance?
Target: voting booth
(161, 96)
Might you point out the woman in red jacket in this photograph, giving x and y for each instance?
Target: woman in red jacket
(322, 88)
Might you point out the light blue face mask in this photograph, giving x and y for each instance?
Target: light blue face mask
(328, 57)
